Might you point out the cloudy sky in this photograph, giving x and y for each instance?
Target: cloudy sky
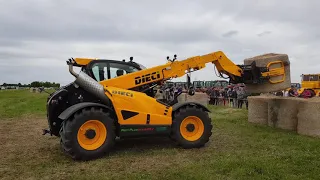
(38, 36)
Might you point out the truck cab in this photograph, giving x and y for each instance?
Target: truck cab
(310, 82)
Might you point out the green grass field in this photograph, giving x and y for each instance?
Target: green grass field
(237, 150)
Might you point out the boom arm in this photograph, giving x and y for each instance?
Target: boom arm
(180, 68)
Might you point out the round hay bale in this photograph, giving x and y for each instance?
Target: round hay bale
(309, 118)
(283, 112)
(273, 110)
(198, 97)
(258, 109)
(158, 95)
(263, 61)
(182, 97)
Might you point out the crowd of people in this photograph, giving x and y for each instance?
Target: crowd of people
(232, 96)
(293, 92)
(235, 97)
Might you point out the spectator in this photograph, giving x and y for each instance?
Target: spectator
(279, 93)
(292, 92)
(212, 95)
(240, 96)
(234, 97)
(229, 95)
(217, 95)
(246, 94)
(225, 96)
(306, 94)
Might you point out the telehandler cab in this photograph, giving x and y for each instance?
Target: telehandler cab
(111, 98)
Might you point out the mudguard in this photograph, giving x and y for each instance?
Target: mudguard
(72, 109)
(178, 105)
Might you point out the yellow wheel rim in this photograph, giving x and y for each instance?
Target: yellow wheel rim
(92, 134)
(191, 128)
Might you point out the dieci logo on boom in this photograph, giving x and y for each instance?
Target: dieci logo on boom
(147, 78)
(122, 93)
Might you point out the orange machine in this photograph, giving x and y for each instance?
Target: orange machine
(112, 99)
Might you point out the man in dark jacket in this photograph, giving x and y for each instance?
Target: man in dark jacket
(292, 92)
(234, 97)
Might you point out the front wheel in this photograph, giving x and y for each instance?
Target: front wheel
(89, 134)
(191, 127)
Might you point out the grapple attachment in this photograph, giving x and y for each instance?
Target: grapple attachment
(276, 72)
(274, 69)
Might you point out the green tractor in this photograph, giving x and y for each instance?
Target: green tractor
(198, 86)
(216, 83)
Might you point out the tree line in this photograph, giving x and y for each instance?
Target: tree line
(35, 84)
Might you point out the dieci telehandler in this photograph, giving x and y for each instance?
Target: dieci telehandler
(111, 98)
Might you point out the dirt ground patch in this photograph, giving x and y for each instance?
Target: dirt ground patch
(26, 154)
(237, 150)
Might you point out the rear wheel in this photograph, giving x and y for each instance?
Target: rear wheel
(89, 134)
(191, 127)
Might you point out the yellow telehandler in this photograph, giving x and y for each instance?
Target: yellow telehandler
(111, 98)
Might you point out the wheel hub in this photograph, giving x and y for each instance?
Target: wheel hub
(190, 127)
(90, 133)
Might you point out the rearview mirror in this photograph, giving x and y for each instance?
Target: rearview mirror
(191, 91)
(188, 81)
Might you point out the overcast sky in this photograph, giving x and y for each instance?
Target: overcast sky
(38, 36)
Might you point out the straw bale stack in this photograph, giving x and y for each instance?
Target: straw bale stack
(282, 112)
(309, 118)
(290, 113)
(258, 109)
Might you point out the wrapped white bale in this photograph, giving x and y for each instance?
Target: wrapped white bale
(309, 118)
(258, 110)
(263, 61)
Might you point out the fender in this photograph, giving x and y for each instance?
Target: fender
(74, 108)
(179, 105)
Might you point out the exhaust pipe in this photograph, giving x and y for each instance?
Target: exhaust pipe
(89, 84)
(72, 71)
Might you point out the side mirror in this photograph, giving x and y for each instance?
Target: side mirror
(191, 92)
(188, 81)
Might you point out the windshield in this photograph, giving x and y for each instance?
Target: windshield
(310, 78)
(141, 66)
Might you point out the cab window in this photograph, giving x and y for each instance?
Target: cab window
(108, 70)
(117, 69)
(310, 78)
(100, 71)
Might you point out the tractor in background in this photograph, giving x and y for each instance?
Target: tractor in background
(311, 83)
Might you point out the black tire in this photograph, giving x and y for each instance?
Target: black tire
(179, 115)
(313, 93)
(69, 130)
